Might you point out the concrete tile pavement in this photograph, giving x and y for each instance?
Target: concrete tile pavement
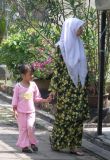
(8, 138)
(8, 150)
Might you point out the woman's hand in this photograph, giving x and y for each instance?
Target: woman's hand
(52, 95)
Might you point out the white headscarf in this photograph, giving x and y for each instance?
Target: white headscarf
(72, 50)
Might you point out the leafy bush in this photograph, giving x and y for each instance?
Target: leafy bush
(24, 47)
(54, 12)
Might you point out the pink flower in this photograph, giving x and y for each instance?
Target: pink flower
(41, 65)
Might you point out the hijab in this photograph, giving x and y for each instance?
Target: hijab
(72, 50)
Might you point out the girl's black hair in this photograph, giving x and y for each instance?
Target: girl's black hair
(24, 68)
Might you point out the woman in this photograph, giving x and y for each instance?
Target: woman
(69, 85)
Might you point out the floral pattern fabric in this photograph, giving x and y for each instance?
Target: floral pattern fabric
(71, 108)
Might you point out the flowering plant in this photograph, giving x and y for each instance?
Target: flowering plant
(43, 66)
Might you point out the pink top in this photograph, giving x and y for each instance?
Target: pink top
(24, 98)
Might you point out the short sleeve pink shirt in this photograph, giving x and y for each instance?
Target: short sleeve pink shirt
(24, 97)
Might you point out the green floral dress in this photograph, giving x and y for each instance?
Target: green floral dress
(71, 108)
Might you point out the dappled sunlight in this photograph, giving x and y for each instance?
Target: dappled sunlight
(6, 116)
(92, 131)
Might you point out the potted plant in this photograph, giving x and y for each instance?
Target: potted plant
(43, 73)
(93, 89)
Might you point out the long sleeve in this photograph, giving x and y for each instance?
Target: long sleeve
(37, 95)
(15, 96)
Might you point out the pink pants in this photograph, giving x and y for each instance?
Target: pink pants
(26, 129)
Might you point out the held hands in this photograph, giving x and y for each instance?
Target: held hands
(52, 95)
(48, 100)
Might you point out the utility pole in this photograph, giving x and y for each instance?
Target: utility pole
(101, 78)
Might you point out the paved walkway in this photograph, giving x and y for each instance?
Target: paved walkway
(8, 150)
(8, 138)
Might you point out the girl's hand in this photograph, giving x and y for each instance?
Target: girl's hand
(15, 114)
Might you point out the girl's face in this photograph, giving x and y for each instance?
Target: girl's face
(79, 31)
(28, 76)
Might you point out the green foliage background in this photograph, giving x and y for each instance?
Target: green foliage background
(21, 45)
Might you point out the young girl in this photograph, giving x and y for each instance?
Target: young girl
(25, 94)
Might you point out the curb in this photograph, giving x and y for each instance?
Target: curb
(6, 97)
(96, 149)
